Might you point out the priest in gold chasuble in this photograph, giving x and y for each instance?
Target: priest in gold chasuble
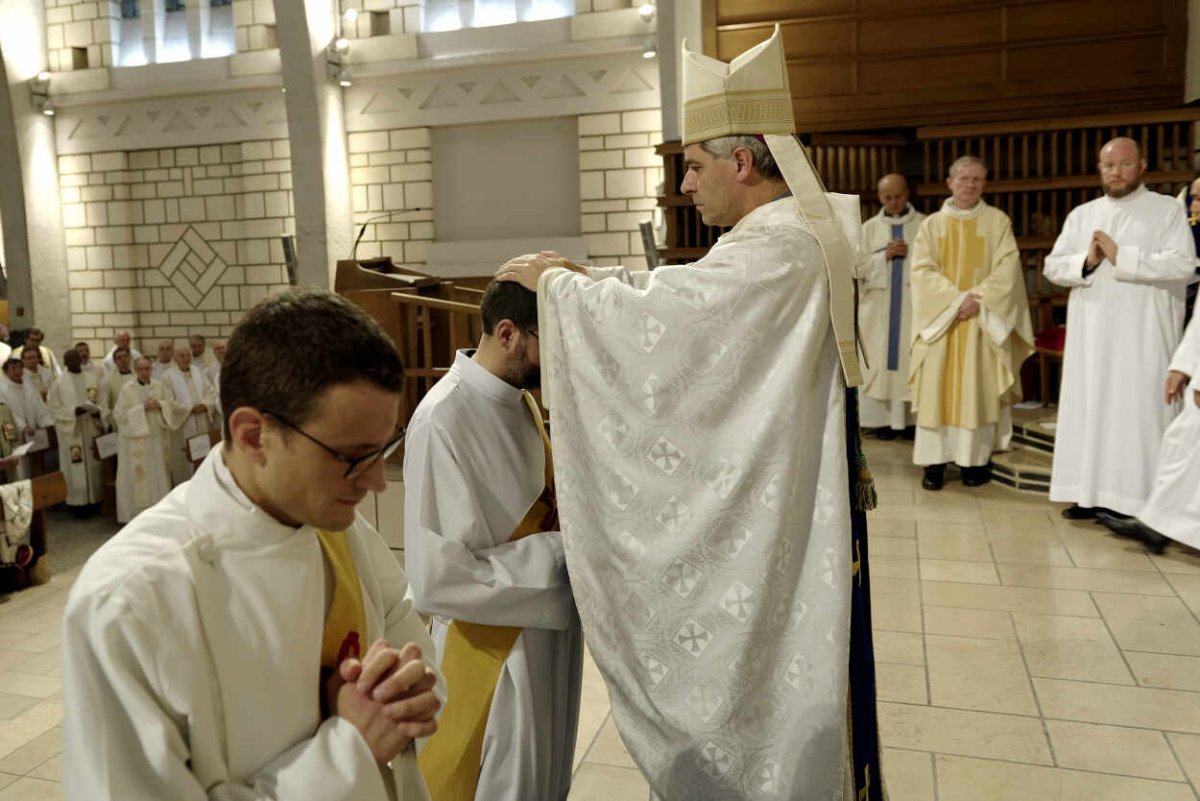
(971, 331)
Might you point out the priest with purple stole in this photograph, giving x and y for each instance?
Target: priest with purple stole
(885, 309)
(705, 469)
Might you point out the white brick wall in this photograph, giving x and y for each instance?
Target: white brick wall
(382, 17)
(173, 241)
(618, 178)
(389, 171)
(254, 25)
(82, 30)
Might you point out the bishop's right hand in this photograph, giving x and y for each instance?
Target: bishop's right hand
(1176, 381)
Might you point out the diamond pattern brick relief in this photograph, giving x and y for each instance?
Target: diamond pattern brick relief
(192, 267)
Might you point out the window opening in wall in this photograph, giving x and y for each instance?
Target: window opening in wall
(381, 23)
(219, 39)
(451, 15)
(79, 58)
(176, 5)
(218, 3)
(131, 9)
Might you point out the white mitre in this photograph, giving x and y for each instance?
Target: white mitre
(750, 96)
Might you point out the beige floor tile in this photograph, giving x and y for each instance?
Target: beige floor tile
(35, 752)
(50, 770)
(1046, 550)
(1177, 560)
(608, 748)
(1022, 523)
(984, 780)
(1187, 751)
(43, 664)
(901, 683)
(27, 788)
(29, 684)
(960, 571)
(1081, 578)
(887, 527)
(908, 775)
(899, 647)
(1144, 623)
(1167, 671)
(955, 731)
(891, 546)
(953, 544)
(1094, 547)
(893, 566)
(1188, 588)
(985, 675)
(895, 604)
(1169, 710)
(1070, 648)
(894, 497)
(40, 643)
(1112, 749)
(10, 658)
(950, 513)
(604, 783)
(969, 623)
(7, 779)
(1009, 599)
(13, 705)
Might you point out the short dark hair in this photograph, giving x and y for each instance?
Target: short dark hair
(9, 361)
(122, 349)
(293, 346)
(36, 332)
(508, 300)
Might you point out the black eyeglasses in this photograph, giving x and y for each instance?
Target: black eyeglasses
(355, 466)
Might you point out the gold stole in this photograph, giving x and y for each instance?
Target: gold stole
(346, 623)
(472, 658)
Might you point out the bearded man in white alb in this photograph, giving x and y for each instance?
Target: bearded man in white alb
(885, 309)
(250, 637)
(482, 545)
(28, 409)
(79, 417)
(37, 375)
(33, 341)
(700, 426)
(145, 414)
(193, 390)
(1127, 258)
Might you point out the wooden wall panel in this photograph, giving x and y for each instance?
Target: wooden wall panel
(869, 64)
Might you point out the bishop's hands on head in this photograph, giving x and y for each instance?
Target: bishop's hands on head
(527, 270)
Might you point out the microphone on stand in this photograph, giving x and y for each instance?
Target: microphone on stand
(382, 216)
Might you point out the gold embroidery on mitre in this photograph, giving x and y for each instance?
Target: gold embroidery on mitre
(737, 113)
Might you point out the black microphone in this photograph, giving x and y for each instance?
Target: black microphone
(383, 216)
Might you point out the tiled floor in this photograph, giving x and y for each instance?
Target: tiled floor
(1021, 657)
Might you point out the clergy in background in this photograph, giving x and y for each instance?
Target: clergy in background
(145, 414)
(482, 547)
(885, 309)
(28, 408)
(86, 364)
(1127, 258)
(701, 418)
(33, 341)
(166, 357)
(117, 377)
(202, 357)
(75, 401)
(195, 392)
(250, 636)
(35, 373)
(971, 331)
(122, 341)
(1172, 512)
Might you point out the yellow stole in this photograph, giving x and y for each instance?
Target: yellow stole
(471, 661)
(346, 623)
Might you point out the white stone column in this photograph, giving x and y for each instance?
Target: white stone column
(34, 251)
(317, 131)
(154, 26)
(197, 25)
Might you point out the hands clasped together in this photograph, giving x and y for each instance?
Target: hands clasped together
(387, 695)
(1101, 247)
(527, 270)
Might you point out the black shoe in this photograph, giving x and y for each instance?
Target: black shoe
(885, 433)
(935, 477)
(976, 476)
(1077, 512)
(1135, 529)
(909, 433)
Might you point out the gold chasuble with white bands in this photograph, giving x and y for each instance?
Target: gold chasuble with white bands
(346, 622)
(472, 658)
(963, 371)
